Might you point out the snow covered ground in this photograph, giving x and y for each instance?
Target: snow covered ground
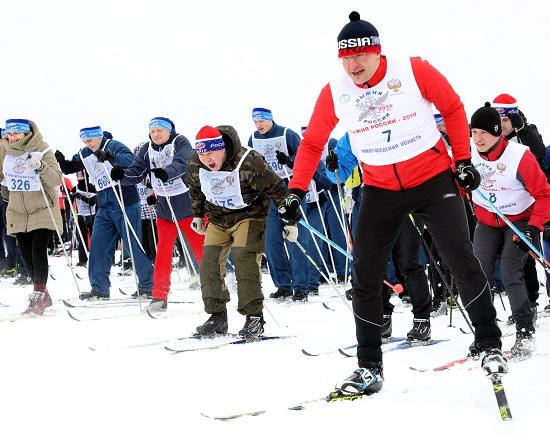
(53, 382)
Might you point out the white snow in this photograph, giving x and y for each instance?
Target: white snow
(53, 382)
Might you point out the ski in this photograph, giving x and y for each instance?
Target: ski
(201, 343)
(500, 395)
(19, 316)
(349, 347)
(114, 315)
(296, 407)
(402, 346)
(116, 302)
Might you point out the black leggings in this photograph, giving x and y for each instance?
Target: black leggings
(34, 249)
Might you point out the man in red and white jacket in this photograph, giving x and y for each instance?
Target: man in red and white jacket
(513, 182)
(385, 104)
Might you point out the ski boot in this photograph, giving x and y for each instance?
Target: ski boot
(365, 380)
(142, 295)
(93, 296)
(439, 307)
(313, 291)
(38, 302)
(386, 328)
(216, 324)
(157, 306)
(525, 345)
(280, 294)
(253, 327)
(493, 362)
(300, 296)
(420, 333)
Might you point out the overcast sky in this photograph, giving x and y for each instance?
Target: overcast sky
(117, 63)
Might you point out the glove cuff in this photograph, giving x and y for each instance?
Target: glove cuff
(300, 193)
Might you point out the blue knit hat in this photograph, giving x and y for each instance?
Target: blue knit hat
(261, 114)
(160, 122)
(91, 133)
(18, 126)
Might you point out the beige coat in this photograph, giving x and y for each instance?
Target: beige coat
(27, 210)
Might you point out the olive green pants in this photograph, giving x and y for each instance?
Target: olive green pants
(246, 240)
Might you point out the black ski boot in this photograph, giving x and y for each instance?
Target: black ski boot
(524, 346)
(365, 380)
(300, 296)
(216, 324)
(253, 327)
(280, 294)
(439, 307)
(421, 331)
(93, 296)
(493, 362)
(386, 328)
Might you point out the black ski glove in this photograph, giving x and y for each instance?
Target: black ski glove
(282, 158)
(289, 208)
(59, 156)
(532, 234)
(117, 173)
(151, 200)
(467, 175)
(161, 174)
(103, 156)
(516, 120)
(332, 161)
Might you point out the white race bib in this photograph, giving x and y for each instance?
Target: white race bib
(18, 176)
(161, 159)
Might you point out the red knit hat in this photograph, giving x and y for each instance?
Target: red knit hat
(505, 104)
(209, 139)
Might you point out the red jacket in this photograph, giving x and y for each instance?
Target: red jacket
(532, 177)
(435, 88)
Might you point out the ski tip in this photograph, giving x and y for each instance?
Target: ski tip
(72, 316)
(92, 348)
(149, 314)
(66, 303)
(326, 306)
(307, 353)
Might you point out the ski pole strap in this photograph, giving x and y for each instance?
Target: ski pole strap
(510, 224)
(327, 240)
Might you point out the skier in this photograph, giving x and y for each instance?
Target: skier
(97, 158)
(516, 128)
(278, 145)
(513, 181)
(83, 193)
(31, 173)
(231, 186)
(385, 104)
(165, 158)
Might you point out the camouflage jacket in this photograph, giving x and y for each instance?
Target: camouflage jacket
(258, 184)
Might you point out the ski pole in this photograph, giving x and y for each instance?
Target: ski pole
(310, 259)
(397, 288)
(438, 268)
(57, 230)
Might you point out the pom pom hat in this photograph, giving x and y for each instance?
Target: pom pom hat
(487, 119)
(209, 139)
(505, 104)
(358, 37)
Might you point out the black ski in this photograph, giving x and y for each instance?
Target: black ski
(500, 395)
(296, 407)
(206, 343)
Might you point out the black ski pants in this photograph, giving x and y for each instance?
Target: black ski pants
(34, 250)
(381, 215)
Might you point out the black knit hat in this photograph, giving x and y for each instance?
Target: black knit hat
(487, 119)
(358, 36)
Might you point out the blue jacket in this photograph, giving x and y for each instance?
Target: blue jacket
(141, 166)
(122, 156)
(346, 160)
(292, 139)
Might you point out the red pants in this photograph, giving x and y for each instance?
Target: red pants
(168, 233)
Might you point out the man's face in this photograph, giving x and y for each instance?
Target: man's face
(506, 124)
(263, 126)
(483, 140)
(14, 137)
(93, 144)
(361, 67)
(213, 159)
(159, 135)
